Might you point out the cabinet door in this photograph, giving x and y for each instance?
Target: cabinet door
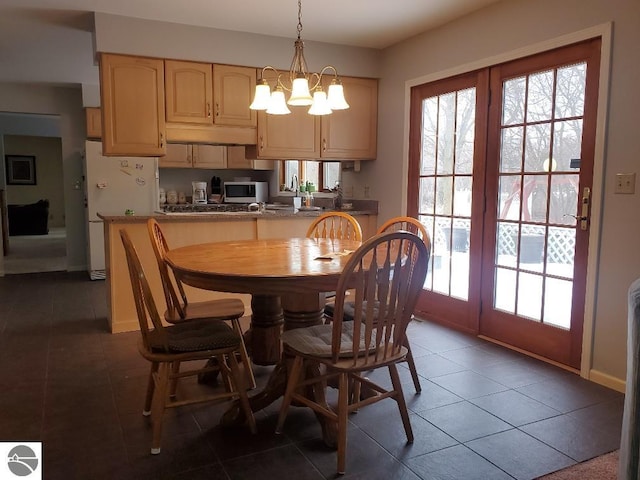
(209, 156)
(94, 122)
(132, 96)
(179, 155)
(292, 136)
(352, 133)
(233, 89)
(188, 92)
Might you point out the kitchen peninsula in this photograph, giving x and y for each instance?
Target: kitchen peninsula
(188, 229)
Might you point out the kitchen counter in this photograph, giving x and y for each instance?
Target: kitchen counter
(224, 216)
(191, 228)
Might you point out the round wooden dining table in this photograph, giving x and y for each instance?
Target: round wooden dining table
(286, 278)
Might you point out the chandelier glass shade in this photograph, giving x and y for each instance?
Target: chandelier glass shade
(305, 88)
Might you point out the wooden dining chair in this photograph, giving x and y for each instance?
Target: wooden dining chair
(335, 225)
(168, 347)
(387, 274)
(180, 310)
(408, 224)
(414, 226)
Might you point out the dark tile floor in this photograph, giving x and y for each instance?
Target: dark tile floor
(485, 412)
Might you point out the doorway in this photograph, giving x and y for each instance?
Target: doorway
(501, 170)
(36, 236)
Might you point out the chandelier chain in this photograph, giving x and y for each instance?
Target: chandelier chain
(299, 18)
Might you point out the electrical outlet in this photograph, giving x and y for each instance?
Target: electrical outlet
(625, 183)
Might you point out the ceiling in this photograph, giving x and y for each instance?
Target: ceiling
(50, 40)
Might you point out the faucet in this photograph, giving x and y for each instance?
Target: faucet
(294, 182)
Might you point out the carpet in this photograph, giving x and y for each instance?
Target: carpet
(604, 467)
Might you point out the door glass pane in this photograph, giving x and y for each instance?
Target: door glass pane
(442, 250)
(460, 259)
(557, 302)
(505, 290)
(570, 90)
(561, 252)
(462, 196)
(509, 197)
(447, 156)
(540, 96)
(507, 244)
(534, 193)
(465, 131)
(511, 149)
(429, 223)
(531, 250)
(444, 200)
(563, 199)
(513, 92)
(429, 132)
(537, 147)
(427, 195)
(529, 296)
(446, 133)
(567, 141)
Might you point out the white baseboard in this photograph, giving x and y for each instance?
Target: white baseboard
(607, 380)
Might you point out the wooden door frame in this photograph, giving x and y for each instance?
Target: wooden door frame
(568, 350)
(466, 311)
(605, 32)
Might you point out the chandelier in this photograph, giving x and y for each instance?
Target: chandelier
(300, 83)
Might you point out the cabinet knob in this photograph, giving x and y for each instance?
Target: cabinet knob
(217, 109)
(261, 143)
(161, 140)
(324, 144)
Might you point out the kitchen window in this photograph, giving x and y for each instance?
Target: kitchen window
(323, 175)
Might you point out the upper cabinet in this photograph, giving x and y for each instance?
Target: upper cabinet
(343, 135)
(147, 102)
(352, 133)
(233, 89)
(194, 156)
(293, 136)
(188, 92)
(94, 122)
(132, 96)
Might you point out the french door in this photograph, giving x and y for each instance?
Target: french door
(501, 164)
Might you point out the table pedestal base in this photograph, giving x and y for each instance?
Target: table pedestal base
(300, 310)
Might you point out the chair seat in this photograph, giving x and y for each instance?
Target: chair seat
(316, 341)
(221, 309)
(196, 336)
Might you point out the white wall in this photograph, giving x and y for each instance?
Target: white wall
(67, 104)
(506, 27)
(117, 34)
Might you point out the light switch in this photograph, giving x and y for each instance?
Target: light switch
(625, 183)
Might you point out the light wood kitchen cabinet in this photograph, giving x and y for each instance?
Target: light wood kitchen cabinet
(292, 136)
(188, 92)
(206, 94)
(245, 158)
(93, 117)
(233, 89)
(194, 156)
(343, 135)
(352, 134)
(132, 98)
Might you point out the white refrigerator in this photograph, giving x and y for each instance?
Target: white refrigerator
(112, 186)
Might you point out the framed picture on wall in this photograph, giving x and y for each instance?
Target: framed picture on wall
(21, 169)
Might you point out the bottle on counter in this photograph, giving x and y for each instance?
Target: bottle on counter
(308, 199)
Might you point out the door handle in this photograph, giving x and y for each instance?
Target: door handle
(583, 218)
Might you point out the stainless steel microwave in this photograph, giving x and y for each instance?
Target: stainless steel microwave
(246, 192)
